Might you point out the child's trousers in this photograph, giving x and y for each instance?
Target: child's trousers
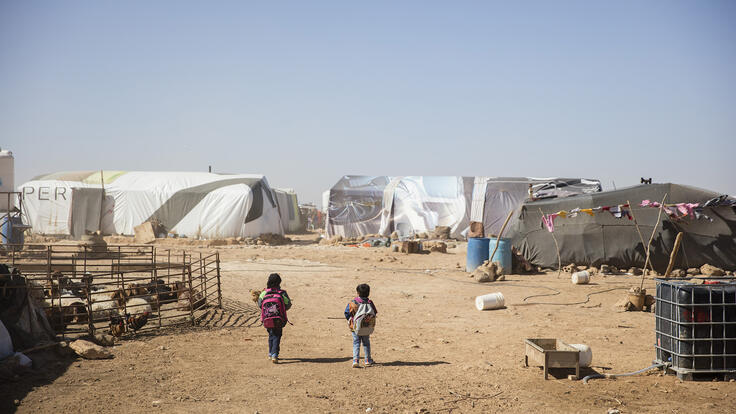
(366, 341)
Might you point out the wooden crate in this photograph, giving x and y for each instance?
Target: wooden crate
(551, 353)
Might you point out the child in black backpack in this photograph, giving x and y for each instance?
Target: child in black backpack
(274, 303)
(361, 316)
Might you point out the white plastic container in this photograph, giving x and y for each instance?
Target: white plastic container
(490, 301)
(586, 354)
(581, 278)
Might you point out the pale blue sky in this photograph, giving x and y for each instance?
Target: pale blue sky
(305, 92)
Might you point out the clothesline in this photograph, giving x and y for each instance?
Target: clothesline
(676, 211)
(618, 211)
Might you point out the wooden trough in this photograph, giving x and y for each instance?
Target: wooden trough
(551, 353)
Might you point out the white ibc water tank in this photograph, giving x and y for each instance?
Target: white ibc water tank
(7, 177)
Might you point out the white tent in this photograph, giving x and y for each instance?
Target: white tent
(192, 204)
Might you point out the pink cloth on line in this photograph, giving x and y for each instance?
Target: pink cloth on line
(549, 221)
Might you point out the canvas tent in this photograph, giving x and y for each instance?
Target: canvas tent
(288, 209)
(193, 204)
(602, 238)
(361, 205)
(495, 197)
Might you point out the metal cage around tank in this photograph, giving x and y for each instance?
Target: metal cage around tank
(695, 327)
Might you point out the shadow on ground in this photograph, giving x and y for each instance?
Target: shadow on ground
(47, 367)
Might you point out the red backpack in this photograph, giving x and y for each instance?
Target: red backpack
(273, 310)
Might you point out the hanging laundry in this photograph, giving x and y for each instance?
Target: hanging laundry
(549, 221)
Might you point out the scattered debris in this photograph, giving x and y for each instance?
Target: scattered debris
(441, 232)
(435, 246)
(571, 268)
(88, 350)
(409, 247)
(104, 340)
(710, 270)
(144, 233)
(488, 272)
(678, 273)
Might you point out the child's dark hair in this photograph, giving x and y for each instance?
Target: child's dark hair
(274, 281)
(363, 290)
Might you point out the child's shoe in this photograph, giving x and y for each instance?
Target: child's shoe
(368, 363)
(356, 364)
(275, 359)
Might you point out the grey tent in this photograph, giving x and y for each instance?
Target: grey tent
(602, 238)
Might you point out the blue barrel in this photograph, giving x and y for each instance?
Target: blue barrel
(503, 254)
(477, 252)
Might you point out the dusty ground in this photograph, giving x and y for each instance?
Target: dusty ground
(435, 351)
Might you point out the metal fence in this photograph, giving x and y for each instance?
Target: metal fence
(96, 288)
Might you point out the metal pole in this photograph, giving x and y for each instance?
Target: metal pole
(102, 200)
(155, 286)
(219, 287)
(191, 294)
(91, 325)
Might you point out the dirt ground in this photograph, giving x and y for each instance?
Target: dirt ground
(434, 351)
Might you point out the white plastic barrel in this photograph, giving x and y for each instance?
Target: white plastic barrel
(586, 354)
(581, 278)
(490, 301)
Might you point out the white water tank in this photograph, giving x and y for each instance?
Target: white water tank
(7, 178)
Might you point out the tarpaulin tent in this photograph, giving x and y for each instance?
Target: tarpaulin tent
(495, 197)
(361, 205)
(288, 209)
(193, 204)
(602, 238)
(355, 206)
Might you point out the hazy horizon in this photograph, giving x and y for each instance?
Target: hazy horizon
(305, 93)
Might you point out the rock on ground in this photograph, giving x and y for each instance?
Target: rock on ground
(710, 270)
(88, 350)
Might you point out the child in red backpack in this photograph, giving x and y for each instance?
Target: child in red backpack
(274, 303)
(361, 316)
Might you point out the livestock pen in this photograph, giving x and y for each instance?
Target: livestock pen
(121, 289)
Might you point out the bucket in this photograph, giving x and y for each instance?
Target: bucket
(503, 254)
(477, 253)
(586, 354)
(490, 301)
(581, 278)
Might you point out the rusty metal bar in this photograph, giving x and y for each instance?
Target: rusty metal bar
(191, 295)
(219, 286)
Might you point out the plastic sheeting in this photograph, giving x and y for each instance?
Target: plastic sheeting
(288, 209)
(419, 204)
(355, 206)
(602, 238)
(362, 205)
(193, 204)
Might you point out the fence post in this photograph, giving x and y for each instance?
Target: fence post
(155, 286)
(90, 322)
(191, 293)
(219, 287)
